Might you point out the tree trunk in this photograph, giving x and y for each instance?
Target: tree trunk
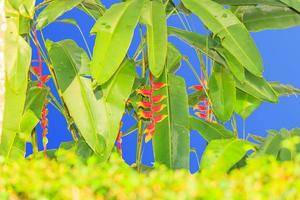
(2, 76)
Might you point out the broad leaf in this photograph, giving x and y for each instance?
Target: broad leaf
(17, 61)
(267, 17)
(245, 104)
(114, 32)
(97, 119)
(209, 130)
(258, 87)
(171, 141)
(195, 97)
(232, 33)
(222, 155)
(154, 17)
(54, 10)
(222, 92)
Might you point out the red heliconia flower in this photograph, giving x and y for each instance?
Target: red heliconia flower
(146, 114)
(199, 107)
(158, 86)
(37, 70)
(44, 78)
(44, 123)
(144, 104)
(149, 136)
(144, 92)
(201, 115)
(150, 127)
(158, 98)
(158, 108)
(197, 87)
(159, 118)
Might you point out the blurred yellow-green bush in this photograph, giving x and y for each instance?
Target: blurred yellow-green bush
(262, 178)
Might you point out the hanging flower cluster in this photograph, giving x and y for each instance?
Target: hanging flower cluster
(119, 139)
(151, 106)
(202, 109)
(42, 79)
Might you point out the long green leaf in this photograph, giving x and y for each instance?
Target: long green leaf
(17, 61)
(92, 7)
(114, 32)
(173, 58)
(209, 130)
(222, 92)
(171, 141)
(97, 119)
(258, 87)
(154, 17)
(267, 17)
(232, 33)
(222, 155)
(54, 10)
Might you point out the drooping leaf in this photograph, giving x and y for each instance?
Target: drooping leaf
(54, 10)
(195, 97)
(221, 155)
(154, 17)
(222, 92)
(171, 141)
(267, 17)
(97, 119)
(209, 130)
(258, 87)
(114, 32)
(245, 104)
(284, 90)
(17, 61)
(232, 33)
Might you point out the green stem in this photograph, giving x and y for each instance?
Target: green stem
(34, 143)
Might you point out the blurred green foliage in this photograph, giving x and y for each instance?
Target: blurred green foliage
(69, 178)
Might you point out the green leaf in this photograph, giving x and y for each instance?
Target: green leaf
(245, 104)
(295, 4)
(267, 17)
(171, 141)
(154, 17)
(258, 88)
(222, 92)
(34, 104)
(93, 8)
(195, 97)
(17, 61)
(54, 10)
(284, 90)
(222, 155)
(232, 33)
(97, 119)
(209, 130)
(114, 32)
(173, 58)
(201, 42)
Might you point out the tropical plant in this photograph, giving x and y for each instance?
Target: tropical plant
(96, 89)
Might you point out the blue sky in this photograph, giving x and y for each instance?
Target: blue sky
(281, 55)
